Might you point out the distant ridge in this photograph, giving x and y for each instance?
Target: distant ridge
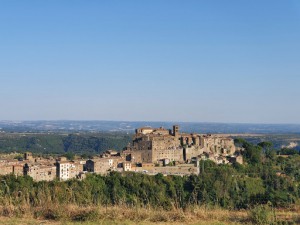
(130, 126)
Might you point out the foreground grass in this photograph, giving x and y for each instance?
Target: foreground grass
(62, 214)
(92, 215)
(18, 221)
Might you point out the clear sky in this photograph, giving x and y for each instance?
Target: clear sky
(157, 60)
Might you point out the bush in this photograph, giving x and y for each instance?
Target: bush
(86, 215)
(53, 214)
(262, 215)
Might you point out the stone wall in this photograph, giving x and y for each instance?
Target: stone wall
(153, 145)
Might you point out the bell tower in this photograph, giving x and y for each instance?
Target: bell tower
(175, 130)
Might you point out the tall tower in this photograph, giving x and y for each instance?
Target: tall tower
(175, 130)
(28, 156)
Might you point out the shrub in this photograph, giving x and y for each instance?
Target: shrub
(53, 214)
(262, 215)
(86, 215)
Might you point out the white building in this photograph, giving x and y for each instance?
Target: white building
(67, 170)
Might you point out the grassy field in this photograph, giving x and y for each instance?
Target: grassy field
(71, 214)
(15, 221)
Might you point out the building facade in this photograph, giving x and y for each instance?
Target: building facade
(152, 145)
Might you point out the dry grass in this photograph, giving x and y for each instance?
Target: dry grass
(72, 214)
(121, 215)
(290, 214)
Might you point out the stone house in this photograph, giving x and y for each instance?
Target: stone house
(100, 165)
(40, 172)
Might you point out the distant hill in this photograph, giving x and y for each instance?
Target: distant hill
(291, 141)
(91, 143)
(130, 126)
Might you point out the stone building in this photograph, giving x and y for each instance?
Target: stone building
(18, 169)
(180, 170)
(11, 166)
(126, 166)
(40, 172)
(28, 156)
(66, 170)
(6, 169)
(99, 165)
(152, 145)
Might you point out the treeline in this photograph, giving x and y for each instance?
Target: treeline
(264, 178)
(82, 143)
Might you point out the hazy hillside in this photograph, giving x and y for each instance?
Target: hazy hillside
(60, 143)
(279, 140)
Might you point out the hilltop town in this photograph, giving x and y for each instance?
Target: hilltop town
(152, 151)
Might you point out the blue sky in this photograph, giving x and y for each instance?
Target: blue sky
(206, 61)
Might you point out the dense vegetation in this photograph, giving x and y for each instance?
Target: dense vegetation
(266, 181)
(44, 143)
(265, 177)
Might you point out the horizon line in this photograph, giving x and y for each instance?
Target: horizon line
(151, 121)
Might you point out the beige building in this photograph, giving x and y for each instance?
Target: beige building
(152, 145)
(28, 156)
(18, 169)
(66, 170)
(6, 169)
(40, 172)
(180, 170)
(99, 165)
(11, 166)
(126, 166)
